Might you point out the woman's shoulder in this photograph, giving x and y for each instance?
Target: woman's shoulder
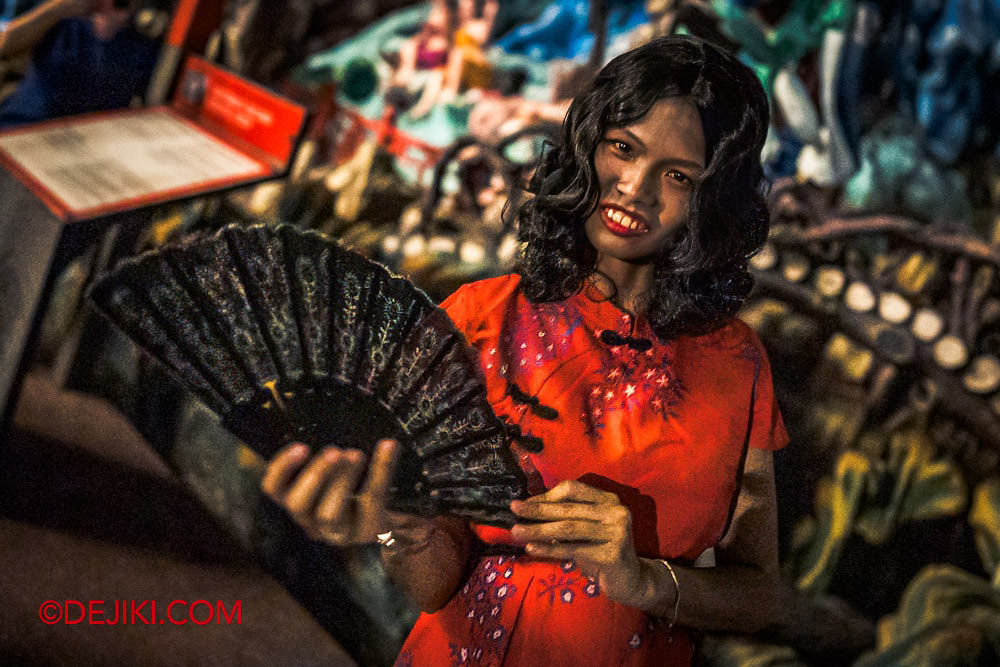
(499, 285)
(734, 337)
(475, 302)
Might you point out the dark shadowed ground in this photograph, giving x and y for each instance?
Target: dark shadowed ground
(89, 512)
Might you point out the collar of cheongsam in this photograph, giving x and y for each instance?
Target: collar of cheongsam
(611, 323)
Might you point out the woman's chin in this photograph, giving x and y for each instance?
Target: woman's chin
(631, 249)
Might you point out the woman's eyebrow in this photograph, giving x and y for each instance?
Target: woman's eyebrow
(681, 162)
(632, 136)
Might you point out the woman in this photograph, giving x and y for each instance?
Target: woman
(641, 405)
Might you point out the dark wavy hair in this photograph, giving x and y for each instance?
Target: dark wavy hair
(701, 278)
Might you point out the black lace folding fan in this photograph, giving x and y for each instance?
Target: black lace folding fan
(289, 337)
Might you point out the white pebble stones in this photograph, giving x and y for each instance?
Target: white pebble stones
(795, 267)
(894, 308)
(950, 352)
(927, 325)
(766, 259)
(859, 297)
(829, 281)
(983, 375)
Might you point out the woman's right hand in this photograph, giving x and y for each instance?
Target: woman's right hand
(319, 494)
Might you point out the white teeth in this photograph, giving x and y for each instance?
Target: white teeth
(624, 220)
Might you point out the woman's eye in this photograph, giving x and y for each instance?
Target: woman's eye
(678, 176)
(621, 146)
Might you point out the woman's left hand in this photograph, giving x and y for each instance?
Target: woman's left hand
(590, 527)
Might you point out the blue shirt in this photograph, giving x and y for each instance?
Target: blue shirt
(73, 72)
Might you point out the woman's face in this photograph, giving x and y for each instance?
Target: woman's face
(647, 171)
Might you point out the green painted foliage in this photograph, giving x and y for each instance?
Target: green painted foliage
(984, 517)
(874, 497)
(946, 617)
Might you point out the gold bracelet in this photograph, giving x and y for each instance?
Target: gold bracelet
(677, 589)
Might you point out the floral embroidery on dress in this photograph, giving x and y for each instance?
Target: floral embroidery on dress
(482, 599)
(543, 335)
(632, 379)
(564, 586)
(643, 633)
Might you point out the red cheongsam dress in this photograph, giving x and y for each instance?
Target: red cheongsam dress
(664, 425)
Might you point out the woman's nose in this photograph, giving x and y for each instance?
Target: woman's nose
(636, 183)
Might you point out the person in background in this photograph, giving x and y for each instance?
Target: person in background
(86, 57)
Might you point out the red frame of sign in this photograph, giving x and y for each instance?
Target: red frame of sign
(267, 131)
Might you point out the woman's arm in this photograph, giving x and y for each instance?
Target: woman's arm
(431, 571)
(594, 529)
(741, 592)
(25, 31)
(428, 557)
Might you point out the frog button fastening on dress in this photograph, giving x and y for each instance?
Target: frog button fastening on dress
(527, 400)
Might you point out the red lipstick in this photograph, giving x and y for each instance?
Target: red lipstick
(621, 221)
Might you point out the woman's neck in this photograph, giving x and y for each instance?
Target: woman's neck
(628, 283)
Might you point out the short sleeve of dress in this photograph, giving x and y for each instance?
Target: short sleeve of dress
(474, 307)
(768, 428)
(461, 309)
